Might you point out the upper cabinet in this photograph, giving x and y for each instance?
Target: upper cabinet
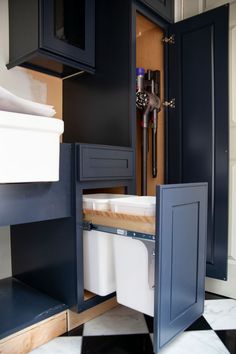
(165, 8)
(52, 36)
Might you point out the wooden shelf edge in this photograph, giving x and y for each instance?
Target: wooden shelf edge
(138, 223)
(34, 336)
(77, 319)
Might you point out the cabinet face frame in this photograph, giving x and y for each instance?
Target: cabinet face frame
(164, 8)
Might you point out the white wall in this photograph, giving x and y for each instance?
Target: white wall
(184, 9)
(27, 84)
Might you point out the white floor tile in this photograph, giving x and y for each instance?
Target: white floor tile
(60, 345)
(221, 314)
(120, 320)
(196, 342)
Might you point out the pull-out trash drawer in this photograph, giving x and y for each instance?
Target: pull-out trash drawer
(160, 264)
(132, 259)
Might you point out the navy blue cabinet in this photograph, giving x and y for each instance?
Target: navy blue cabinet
(52, 36)
(196, 130)
(165, 8)
(48, 255)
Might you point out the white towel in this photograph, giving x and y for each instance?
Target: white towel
(12, 103)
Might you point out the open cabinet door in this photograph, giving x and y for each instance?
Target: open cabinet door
(197, 128)
(180, 259)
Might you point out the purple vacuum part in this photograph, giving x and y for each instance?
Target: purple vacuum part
(140, 71)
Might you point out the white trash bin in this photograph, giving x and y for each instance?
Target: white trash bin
(99, 273)
(132, 267)
(99, 201)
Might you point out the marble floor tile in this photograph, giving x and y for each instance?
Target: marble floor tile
(211, 296)
(221, 314)
(60, 345)
(120, 320)
(199, 325)
(122, 344)
(77, 331)
(228, 337)
(149, 322)
(196, 342)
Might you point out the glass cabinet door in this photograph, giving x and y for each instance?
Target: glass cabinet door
(68, 29)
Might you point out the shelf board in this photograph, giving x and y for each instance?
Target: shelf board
(22, 306)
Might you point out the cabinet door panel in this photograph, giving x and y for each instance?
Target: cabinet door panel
(180, 259)
(197, 130)
(68, 29)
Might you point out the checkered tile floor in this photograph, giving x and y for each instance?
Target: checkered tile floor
(124, 331)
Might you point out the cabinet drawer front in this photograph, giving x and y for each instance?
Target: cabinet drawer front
(103, 162)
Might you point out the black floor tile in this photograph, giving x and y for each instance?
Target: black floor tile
(211, 296)
(149, 321)
(200, 325)
(120, 344)
(228, 337)
(78, 331)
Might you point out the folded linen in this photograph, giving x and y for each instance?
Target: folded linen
(12, 103)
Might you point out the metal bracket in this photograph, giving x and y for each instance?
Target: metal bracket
(170, 104)
(169, 40)
(88, 226)
(151, 261)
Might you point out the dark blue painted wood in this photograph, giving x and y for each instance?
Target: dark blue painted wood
(29, 202)
(22, 306)
(181, 218)
(48, 40)
(197, 130)
(98, 162)
(97, 107)
(82, 187)
(48, 255)
(44, 257)
(165, 8)
(42, 51)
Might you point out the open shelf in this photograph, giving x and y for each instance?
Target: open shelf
(22, 306)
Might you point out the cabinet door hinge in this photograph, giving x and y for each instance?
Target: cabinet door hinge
(169, 40)
(170, 104)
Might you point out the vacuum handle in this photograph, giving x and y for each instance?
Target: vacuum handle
(155, 86)
(154, 144)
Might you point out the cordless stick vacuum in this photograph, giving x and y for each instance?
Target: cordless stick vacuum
(147, 102)
(153, 80)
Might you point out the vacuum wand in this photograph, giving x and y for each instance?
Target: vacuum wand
(154, 78)
(154, 144)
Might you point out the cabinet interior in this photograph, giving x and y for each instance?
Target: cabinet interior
(150, 55)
